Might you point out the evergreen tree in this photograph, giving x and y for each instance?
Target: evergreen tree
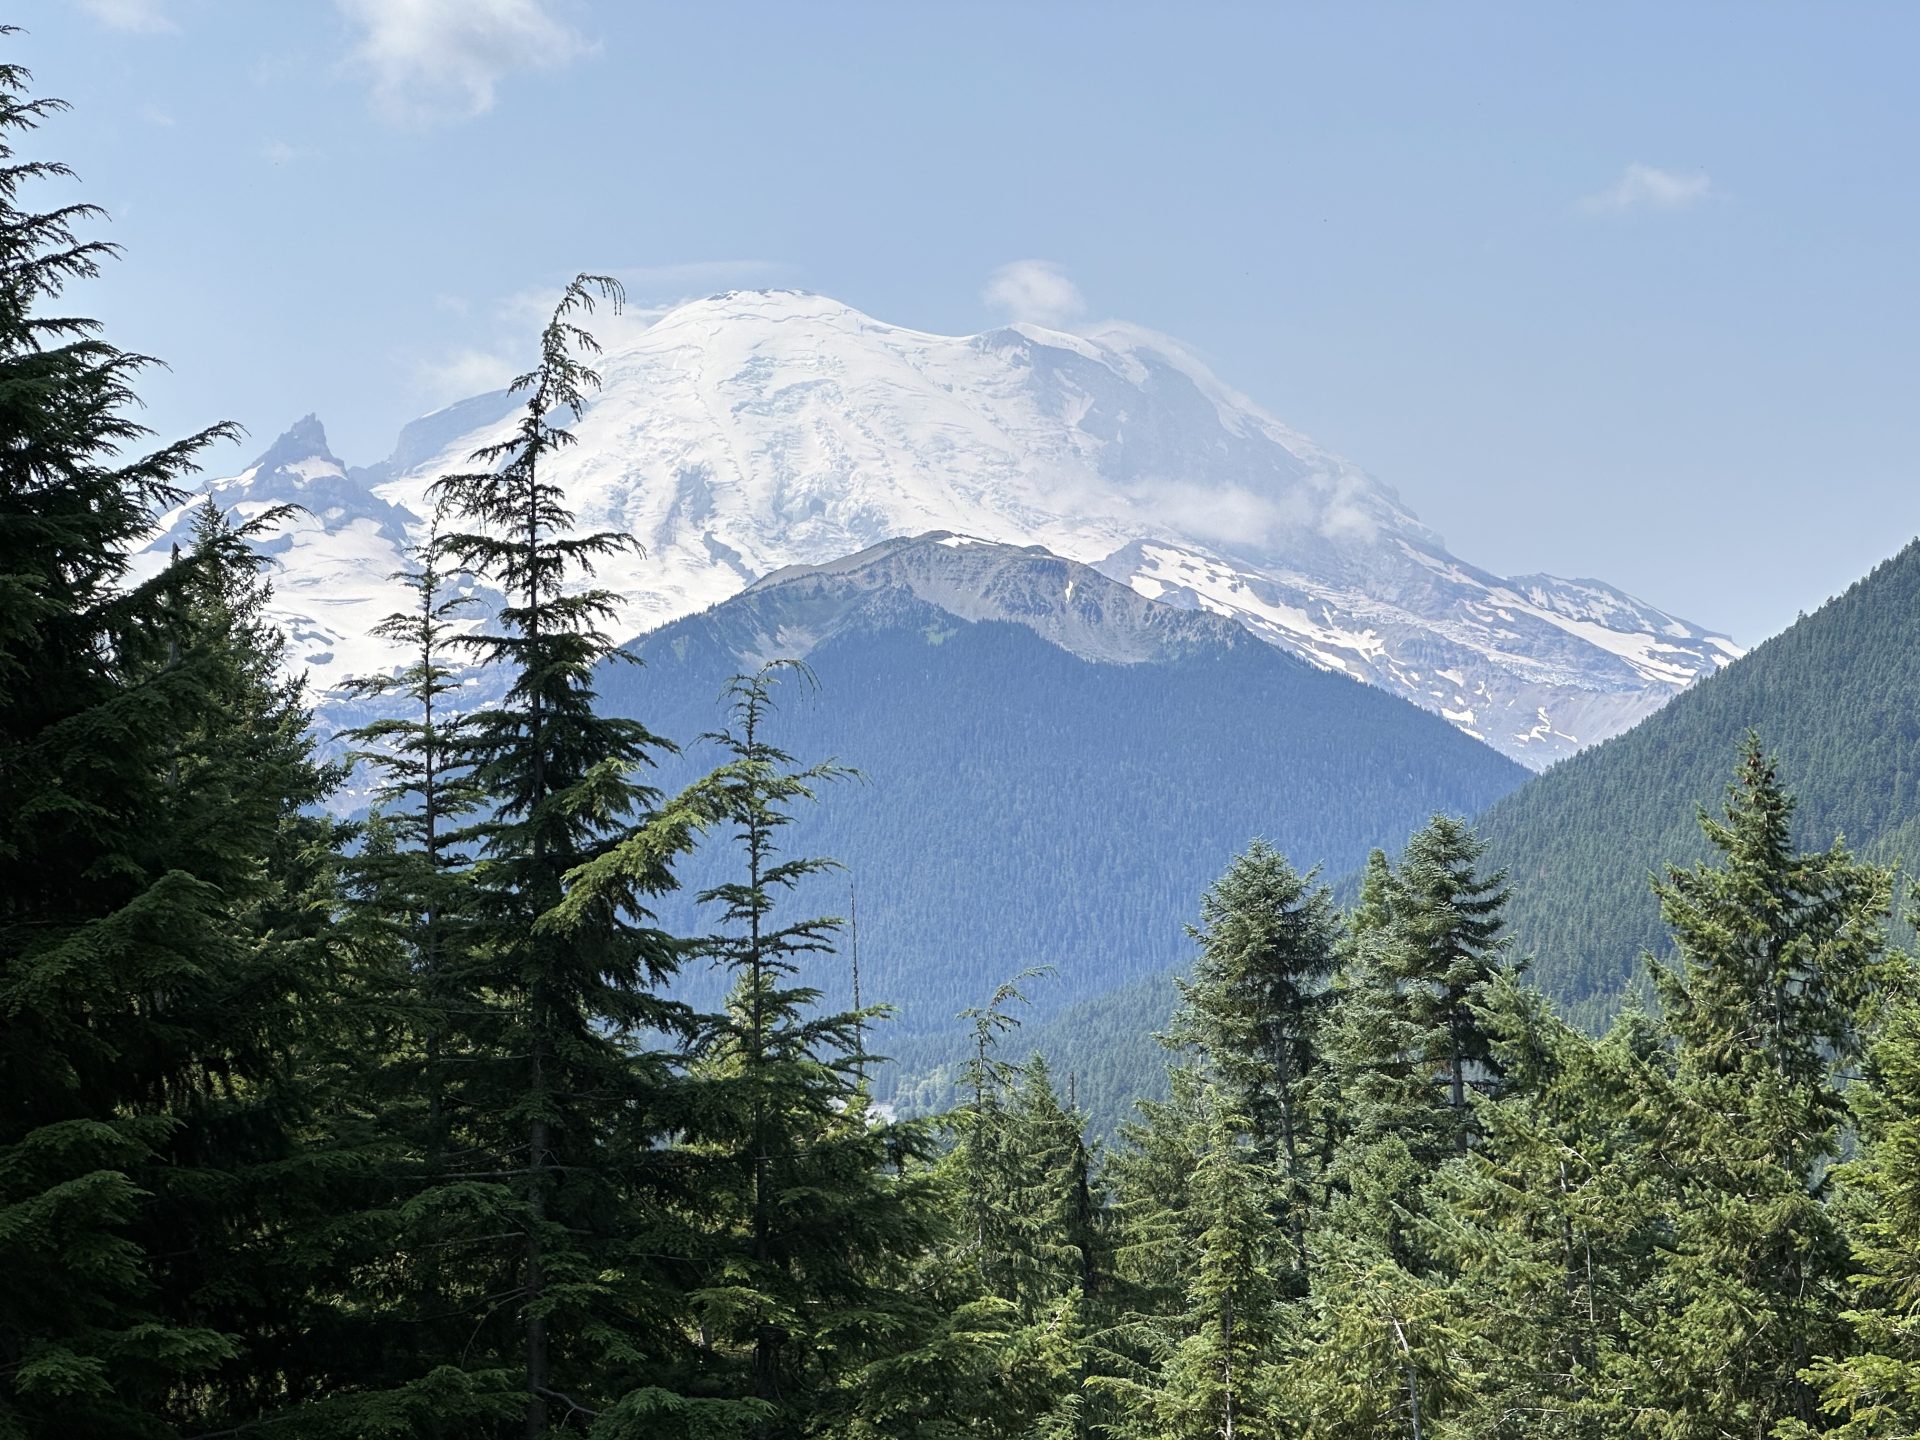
(1447, 951)
(979, 1165)
(425, 1281)
(563, 1106)
(1055, 1198)
(1549, 1224)
(1387, 1359)
(1778, 950)
(809, 1223)
(1390, 1125)
(266, 1093)
(1253, 1011)
(1218, 1377)
(1875, 1392)
(162, 902)
(410, 872)
(1405, 1048)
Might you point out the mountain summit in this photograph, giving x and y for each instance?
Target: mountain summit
(751, 431)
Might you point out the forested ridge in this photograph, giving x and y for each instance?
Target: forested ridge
(1076, 773)
(1832, 694)
(397, 1128)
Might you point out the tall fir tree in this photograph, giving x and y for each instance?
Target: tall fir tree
(808, 1224)
(164, 1158)
(1549, 1226)
(1253, 1011)
(429, 1288)
(1778, 950)
(565, 1105)
(1218, 1377)
(411, 872)
(1874, 1392)
(1446, 924)
(267, 1094)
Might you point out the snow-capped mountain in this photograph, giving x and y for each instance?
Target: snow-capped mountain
(748, 432)
(333, 559)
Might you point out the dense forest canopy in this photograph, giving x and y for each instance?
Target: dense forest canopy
(400, 1128)
(1833, 695)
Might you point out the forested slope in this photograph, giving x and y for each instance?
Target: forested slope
(1092, 802)
(1836, 696)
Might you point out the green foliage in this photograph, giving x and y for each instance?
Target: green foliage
(401, 1131)
(1254, 1012)
(1834, 696)
(1874, 1392)
(1779, 952)
(805, 1220)
(168, 997)
(559, 1106)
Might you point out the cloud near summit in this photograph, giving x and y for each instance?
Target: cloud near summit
(1036, 290)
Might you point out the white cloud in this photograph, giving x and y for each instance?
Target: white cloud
(279, 152)
(146, 17)
(461, 373)
(431, 60)
(1647, 187)
(1036, 290)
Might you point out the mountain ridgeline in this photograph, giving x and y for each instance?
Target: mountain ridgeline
(1836, 696)
(1029, 730)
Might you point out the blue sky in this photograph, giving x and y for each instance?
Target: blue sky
(1621, 291)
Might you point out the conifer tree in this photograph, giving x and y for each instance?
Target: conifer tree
(425, 1281)
(565, 1108)
(156, 897)
(1150, 1172)
(1254, 1009)
(267, 1096)
(1874, 1392)
(1218, 1377)
(1405, 1048)
(1054, 1197)
(809, 1225)
(412, 872)
(1056, 1262)
(1387, 1359)
(1448, 950)
(1778, 950)
(1549, 1225)
(1390, 1121)
(979, 1166)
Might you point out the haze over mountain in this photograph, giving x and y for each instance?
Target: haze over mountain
(755, 430)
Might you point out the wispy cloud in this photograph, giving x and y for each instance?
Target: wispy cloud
(439, 60)
(1647, 187)
(279, 152)
(460, 373)
(145, 17)
(1036, 290)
